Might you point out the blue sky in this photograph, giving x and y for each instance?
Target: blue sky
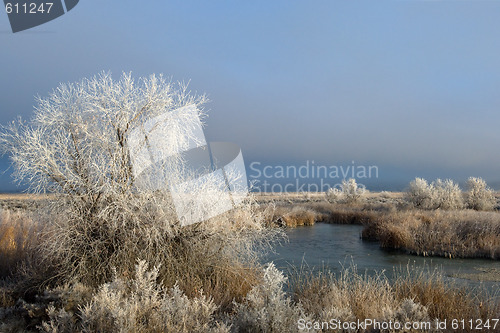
(409, 86)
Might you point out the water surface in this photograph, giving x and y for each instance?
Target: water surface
(335, 246)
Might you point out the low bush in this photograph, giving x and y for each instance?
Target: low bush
(349, 192)
(437, 195)
(478, 195)
(333, 195)
(140, 304)
(267, 308)
(448, 195)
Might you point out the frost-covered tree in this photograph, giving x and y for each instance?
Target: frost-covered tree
(447, 195)
(420, 193)
(351, 191)
(479, 196)
(78, 147)
(437, 195)
(348, 192)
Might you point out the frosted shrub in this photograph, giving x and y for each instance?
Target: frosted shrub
(448, 195)
(76, 147)
(349, 192)
(329, 301)
(478, 195)
(439, 194)
(267, 308)
(60, 321)
(140, 305)
(342, 314)
(407, 312)
(333, 195)
(420, 193)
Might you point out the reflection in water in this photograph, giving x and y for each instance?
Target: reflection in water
(333, 246)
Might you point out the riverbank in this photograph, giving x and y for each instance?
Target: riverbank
(389, 220)
(386, 216)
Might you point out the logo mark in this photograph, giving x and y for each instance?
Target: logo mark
(26, 14)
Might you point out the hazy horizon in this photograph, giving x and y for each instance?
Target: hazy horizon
(408, 86)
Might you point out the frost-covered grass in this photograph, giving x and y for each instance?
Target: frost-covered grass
(141, 303)
(413, 294)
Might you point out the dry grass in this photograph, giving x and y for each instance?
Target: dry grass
(465, 234)
(444, 300)
(215, 267)
(218, 267)
(362, 296)
(286, 215)
(296, 216)
(206, 268)
(351, 295)
(345, 213)
(19, 236)
(308, 213)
